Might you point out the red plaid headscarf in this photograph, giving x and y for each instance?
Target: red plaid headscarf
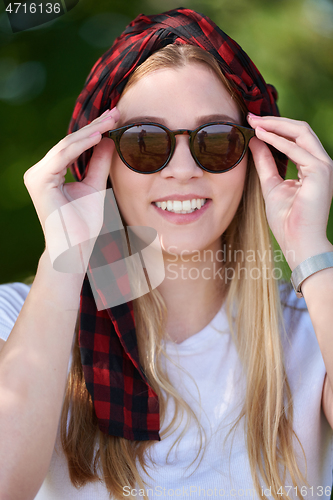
(124, 402)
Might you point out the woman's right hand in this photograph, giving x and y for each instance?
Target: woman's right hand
(34, 360)
(82, 219)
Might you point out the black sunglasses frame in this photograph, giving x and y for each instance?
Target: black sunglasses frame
(117, 133)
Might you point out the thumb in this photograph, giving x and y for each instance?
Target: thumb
(265, 165)
(99, 165)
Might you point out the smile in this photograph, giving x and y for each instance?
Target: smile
(181, 207)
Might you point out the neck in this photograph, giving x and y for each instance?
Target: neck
(193, 290)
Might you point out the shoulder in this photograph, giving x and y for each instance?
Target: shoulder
(12, 297)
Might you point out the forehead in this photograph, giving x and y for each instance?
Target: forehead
(178, 97)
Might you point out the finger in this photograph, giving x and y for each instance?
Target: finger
(70, 148)
(99, 165)
(102, 123)
(65, 157)
(265, 165)
(294, 130)
(296, 153)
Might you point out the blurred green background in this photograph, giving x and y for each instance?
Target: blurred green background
(43, 70)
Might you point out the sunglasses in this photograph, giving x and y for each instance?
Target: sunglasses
(148, 147)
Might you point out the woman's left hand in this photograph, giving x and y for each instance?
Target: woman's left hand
(297, 210)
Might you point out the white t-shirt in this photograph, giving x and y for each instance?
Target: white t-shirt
(210, 373)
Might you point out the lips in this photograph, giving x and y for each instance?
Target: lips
(181, 217)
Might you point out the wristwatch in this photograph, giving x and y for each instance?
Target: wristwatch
(308, 267)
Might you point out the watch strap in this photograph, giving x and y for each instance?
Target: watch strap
(308, 267)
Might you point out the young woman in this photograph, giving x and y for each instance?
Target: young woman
(214, 383)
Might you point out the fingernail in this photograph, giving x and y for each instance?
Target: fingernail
(110, 115)
(95, 133)
(112, 111)
(251, 115)
(109, 112)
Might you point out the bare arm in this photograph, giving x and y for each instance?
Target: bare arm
(34, 360)
(33, 371)
(297, 212)
(318, 294)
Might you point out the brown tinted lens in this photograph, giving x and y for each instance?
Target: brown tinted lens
(145, 147)
(218, 147)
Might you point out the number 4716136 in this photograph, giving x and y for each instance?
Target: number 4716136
(318, 491)
(32, 8)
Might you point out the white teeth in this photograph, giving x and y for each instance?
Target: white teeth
(187, 205)
(177, 206)
(182, 207)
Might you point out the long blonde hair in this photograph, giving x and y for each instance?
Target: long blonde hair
(268, 406)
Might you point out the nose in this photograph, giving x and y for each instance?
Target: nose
(182, 165)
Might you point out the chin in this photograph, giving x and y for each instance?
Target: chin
(179, 246)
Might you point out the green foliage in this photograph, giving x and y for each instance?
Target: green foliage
(43, 70)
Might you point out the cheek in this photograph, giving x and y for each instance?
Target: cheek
(239, 183)
(125, 182)
(129, 189)
(234, 180)
(121, 185)
(240, 175)
(231, 190)
(116, 170)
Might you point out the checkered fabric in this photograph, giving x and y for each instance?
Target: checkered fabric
(124, 402)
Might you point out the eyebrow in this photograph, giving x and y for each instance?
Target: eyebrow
(198, 121)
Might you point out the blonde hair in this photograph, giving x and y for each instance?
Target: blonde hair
(256, 330)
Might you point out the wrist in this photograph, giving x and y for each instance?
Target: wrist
(300, 253)
(62, 289)
(311, 266)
